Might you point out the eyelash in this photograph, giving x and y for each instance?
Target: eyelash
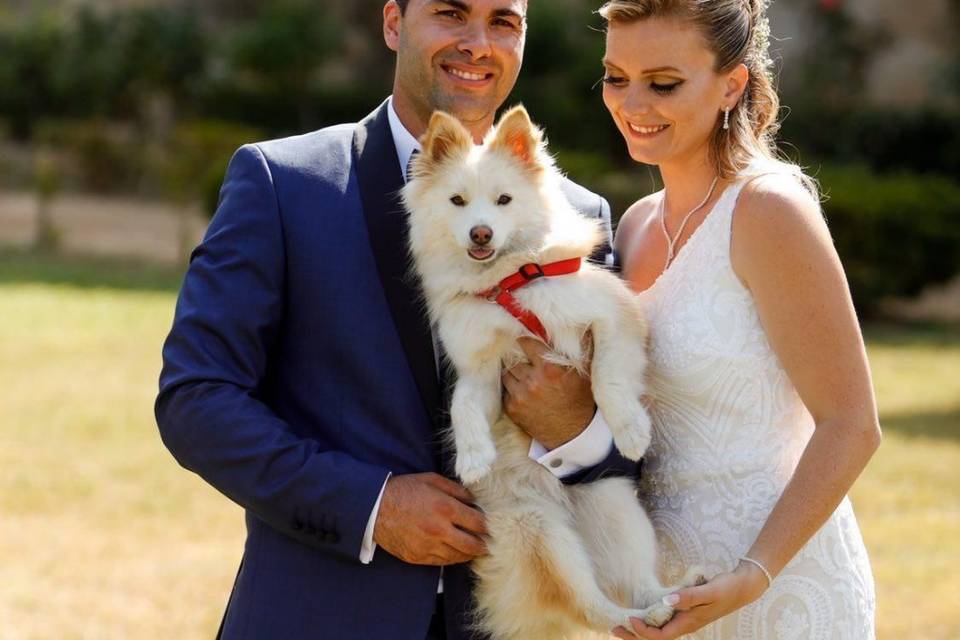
(662, 89)
(449, 13)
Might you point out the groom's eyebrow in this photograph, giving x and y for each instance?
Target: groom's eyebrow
(507, 13)
(456, 4)
(496, 13)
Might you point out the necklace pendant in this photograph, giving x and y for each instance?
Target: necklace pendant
(671, 242)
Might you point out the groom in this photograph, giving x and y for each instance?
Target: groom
(301, 378)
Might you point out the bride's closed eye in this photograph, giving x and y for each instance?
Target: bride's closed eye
(657, 87)
(665, 88)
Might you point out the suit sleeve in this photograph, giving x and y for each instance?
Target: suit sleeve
(603, 255)
(210, 410)
(611, 463)
(614, 464)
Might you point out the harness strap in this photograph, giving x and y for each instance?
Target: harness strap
(502, 293)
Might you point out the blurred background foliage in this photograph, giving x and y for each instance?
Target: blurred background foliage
(151, 98)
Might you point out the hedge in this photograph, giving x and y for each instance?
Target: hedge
(895, 233)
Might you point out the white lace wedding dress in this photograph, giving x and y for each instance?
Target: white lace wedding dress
(729, 429)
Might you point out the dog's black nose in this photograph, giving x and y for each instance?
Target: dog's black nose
(481, 234)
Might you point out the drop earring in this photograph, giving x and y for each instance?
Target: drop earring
(726, 119)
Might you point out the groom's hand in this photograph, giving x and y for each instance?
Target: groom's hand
(553, 404)
(425, 518)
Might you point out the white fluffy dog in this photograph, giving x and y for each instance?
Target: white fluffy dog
(564, 561)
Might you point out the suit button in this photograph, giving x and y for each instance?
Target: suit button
(297, 525)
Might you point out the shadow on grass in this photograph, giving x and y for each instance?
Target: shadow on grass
(943, 425)
(20, 266)
(907, 334)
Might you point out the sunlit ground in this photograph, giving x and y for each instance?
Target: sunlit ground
(102, 535)
(908, 500)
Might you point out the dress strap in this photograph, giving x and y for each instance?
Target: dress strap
(733, 197)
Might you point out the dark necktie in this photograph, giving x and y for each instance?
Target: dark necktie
(409, 172)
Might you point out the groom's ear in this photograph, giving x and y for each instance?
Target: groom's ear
(445, 138)
(519, 137)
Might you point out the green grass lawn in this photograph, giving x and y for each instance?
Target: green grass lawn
(102, 535)
(908, 500)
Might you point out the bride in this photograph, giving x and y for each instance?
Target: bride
(760, 393)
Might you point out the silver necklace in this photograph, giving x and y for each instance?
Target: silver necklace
(672, 242)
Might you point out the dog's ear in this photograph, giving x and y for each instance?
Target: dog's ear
(445, 138)
(518, 136)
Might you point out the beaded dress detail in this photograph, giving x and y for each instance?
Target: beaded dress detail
(728, 431)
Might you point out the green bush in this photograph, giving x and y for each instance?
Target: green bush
(895, 233)
(28, 54)
(922, 141)
(186, 167)
(194, 166)
(103, 157)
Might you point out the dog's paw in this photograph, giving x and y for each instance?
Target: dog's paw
(475, 462)
(694, 577)
(653, 616)
(632, 443)
(470, 474)
(657, 615)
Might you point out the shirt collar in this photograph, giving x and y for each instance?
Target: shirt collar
(403, 140)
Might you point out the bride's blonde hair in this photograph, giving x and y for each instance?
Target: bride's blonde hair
(737, 31)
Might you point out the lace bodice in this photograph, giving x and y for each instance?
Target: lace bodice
(729, 430)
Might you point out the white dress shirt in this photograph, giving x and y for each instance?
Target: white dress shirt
(586, 450)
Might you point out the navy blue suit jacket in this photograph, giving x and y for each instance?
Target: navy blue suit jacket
(299, 372)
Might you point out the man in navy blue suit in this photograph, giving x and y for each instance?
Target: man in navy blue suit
(301, 378)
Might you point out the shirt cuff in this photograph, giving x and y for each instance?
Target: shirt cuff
(588, 449)
(369, 546)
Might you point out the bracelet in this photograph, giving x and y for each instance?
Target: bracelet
(760, 566)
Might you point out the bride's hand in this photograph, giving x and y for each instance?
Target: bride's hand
(699, 606)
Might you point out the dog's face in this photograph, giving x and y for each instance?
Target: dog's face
(475, 204)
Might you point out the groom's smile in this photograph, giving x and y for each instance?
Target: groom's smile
(473, 77)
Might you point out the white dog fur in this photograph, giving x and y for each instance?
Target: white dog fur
(564, 561)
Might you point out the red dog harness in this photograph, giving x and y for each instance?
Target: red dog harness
(502, 293)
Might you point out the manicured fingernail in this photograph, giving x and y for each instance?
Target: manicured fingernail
(671, 599)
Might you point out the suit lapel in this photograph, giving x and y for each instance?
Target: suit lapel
(380, 181)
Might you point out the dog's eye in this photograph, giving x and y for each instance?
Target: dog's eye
(458, 200)
(504, 199)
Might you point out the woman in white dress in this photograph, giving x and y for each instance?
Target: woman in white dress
(760, 391)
